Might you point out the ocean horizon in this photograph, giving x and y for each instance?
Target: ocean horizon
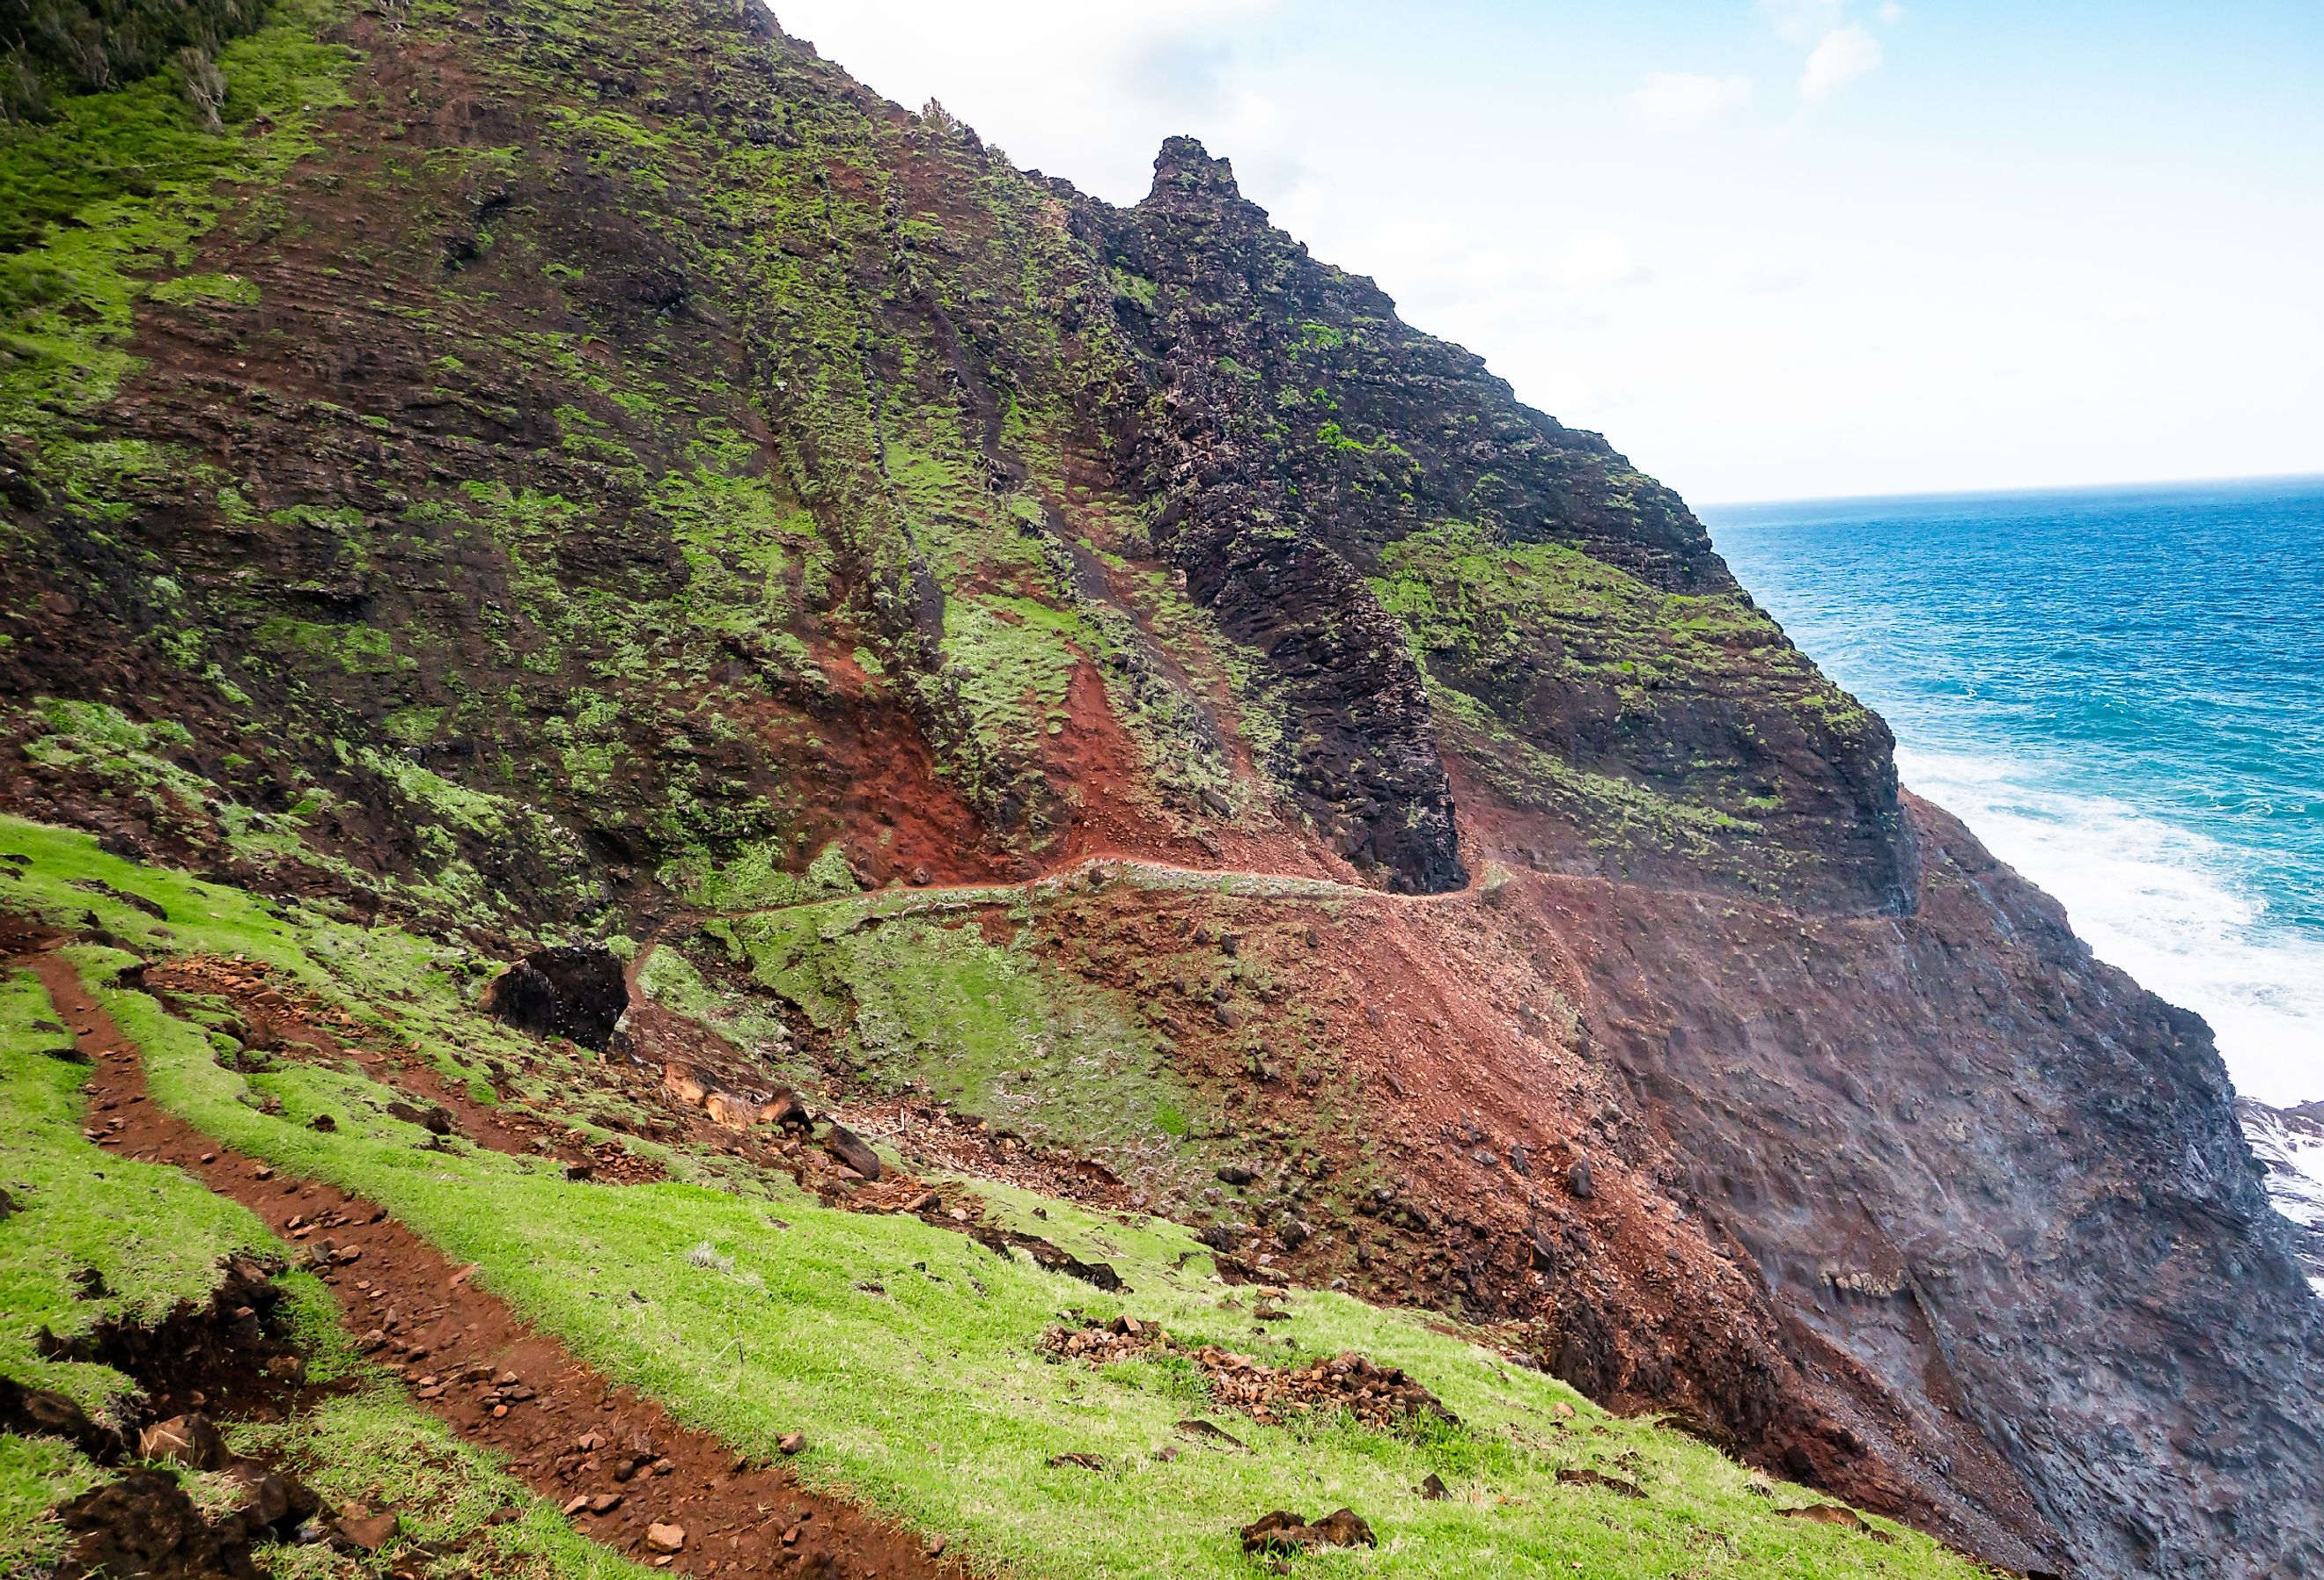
(2120, 689)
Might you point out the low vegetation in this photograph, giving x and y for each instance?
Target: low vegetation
(912, 1356)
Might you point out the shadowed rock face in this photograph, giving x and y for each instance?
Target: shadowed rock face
(575, 992)
(609, 523)
(1992, 1189)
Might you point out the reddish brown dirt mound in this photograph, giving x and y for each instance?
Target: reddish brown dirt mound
(1381, 1397)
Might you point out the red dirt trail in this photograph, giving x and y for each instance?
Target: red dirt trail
(738, 1518)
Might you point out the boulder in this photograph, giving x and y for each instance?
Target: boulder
(575, 992)
(851, 1149)
(190, 1440)
(732, 1110)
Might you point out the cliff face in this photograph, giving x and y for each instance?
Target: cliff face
(556, 468)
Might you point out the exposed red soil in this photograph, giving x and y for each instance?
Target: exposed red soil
(1381, 1397)
(458, 1343)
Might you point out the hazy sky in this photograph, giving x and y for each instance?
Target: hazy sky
(1772, 248)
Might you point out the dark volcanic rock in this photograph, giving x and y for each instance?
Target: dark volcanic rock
(1286, 1532)
(576, 991)
(851, 1149)
(2007, 1189)
(43, 1412)
(143, 1524)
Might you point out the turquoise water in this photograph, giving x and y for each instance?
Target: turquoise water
(2122, 692)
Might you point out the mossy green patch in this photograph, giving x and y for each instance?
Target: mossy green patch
(114, 189)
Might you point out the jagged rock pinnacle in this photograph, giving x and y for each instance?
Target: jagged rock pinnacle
(1184, 165)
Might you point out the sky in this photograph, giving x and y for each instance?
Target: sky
(1772, 249)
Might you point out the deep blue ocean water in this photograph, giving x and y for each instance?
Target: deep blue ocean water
(2122, 692)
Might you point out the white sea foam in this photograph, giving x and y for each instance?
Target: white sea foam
(2162, 902)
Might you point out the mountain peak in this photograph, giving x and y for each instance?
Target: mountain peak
(1184, 165)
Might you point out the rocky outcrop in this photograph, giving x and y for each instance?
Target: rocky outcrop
(2289, 1143)
(575, 990)
(1996, 1192)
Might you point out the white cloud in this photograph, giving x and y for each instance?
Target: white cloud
(1891, 12)
(1757, 270)
(1088, 91)
(1802, 20)
(1843, 55)
(1685, 99)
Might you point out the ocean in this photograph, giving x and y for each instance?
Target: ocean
(2122, 692)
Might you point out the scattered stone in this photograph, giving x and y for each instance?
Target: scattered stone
(1381, 1397)
(367, 1532)
(323, 1121)
(1571, 1477)
(1048, 1256)
(435, 1121)
(1195, 1428)
(1077, 1461)
(1577, 1179)
(190, 1440)
(665, 1539)
(1284, 1532)
(1432, 1488)
(8, 1209)
(1235, 1174)
(791, 1442)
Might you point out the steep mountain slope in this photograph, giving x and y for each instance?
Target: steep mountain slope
(555, 470)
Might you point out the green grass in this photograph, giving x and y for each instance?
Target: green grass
(36, 1474)
(928, 1397)
(153, 1238)
(371, 1444)
(156, 1237)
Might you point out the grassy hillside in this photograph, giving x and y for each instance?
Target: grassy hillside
(153, 1237)
(911, 1356)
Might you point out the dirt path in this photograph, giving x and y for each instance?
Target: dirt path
(563, 1429)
